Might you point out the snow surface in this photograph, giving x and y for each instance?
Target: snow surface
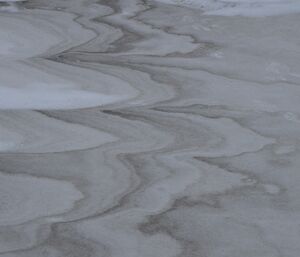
(250, 8)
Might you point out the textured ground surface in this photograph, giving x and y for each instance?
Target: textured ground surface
(138, 128)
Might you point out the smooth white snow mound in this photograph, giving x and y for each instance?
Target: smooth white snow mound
(58, 86)
(18, 98)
